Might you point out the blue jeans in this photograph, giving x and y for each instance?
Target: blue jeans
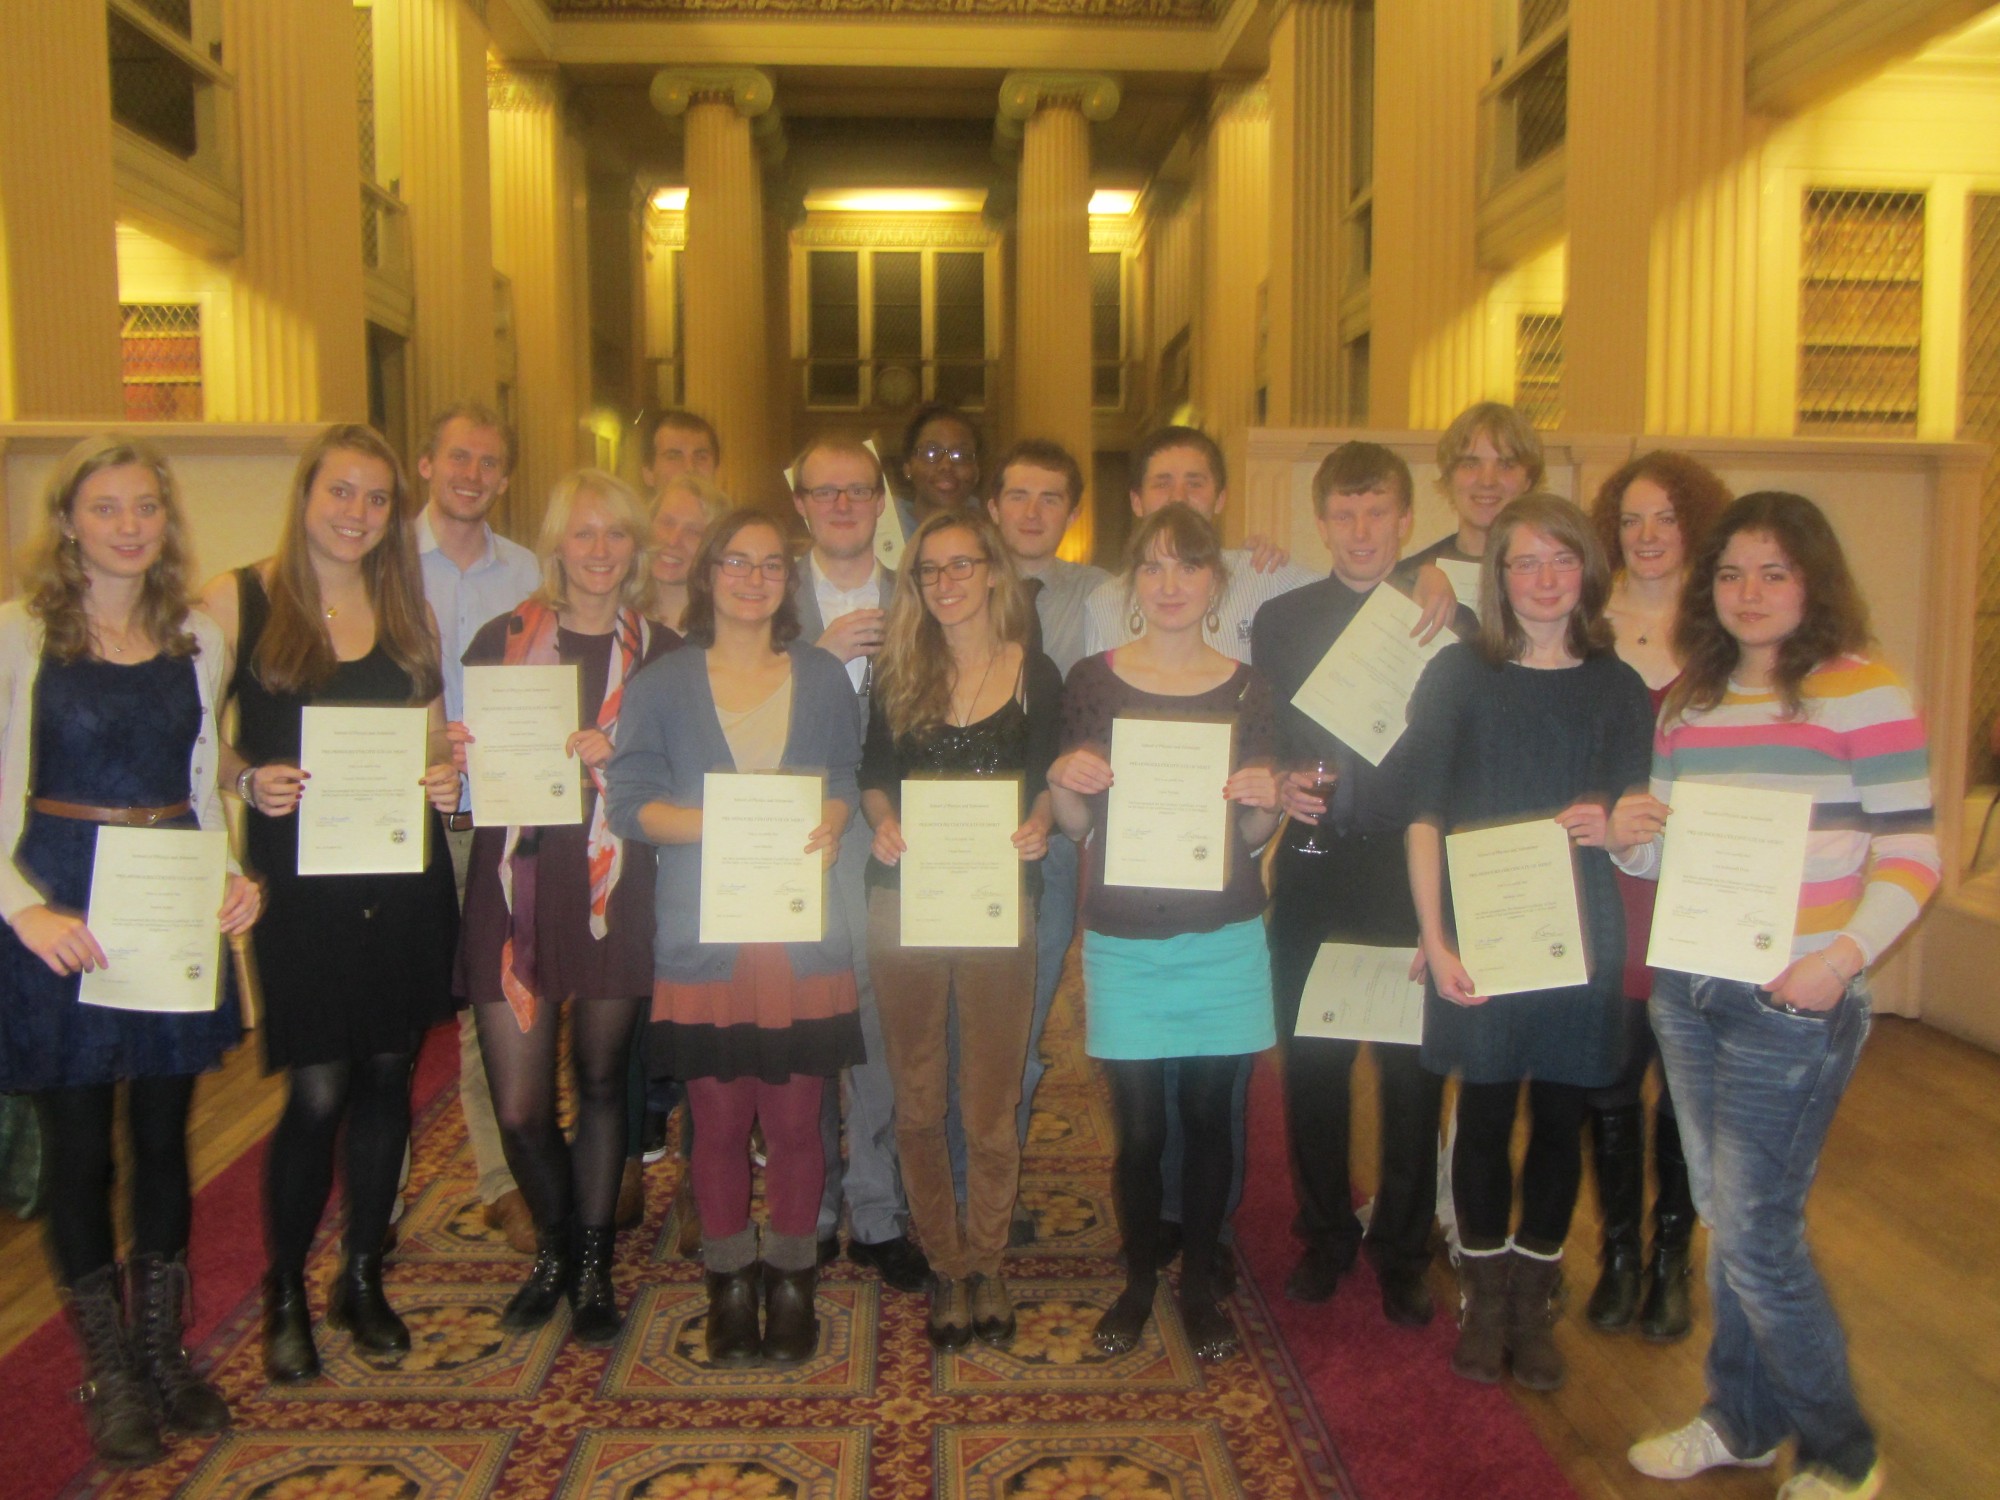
(1755, 1088)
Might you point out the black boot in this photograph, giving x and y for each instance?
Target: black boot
(160, 1302)
(731, 1335)
(358, 1306)
(593, 1305)
(117, 1406)
(289, 1352)
(1668, 1314)
(1618, 1155)
(791, 1327)
(548, 1280)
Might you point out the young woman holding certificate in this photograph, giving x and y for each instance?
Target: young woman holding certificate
(1538, 719)
(1649, 515)
(958, 695)
(353, 968)
(564, 912)
(1172, 974)
(108, 718)
(1778, 695)
(755, 1028)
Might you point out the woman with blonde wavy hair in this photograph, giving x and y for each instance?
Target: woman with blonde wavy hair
(109, 686)
(958, 694)
(353, 968)
(563, 913)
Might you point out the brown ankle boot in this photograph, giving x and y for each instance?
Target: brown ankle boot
(1482, 1318)
(117, 1405)
(1531, 1320)
(161, 1300)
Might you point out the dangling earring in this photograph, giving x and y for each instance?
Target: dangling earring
(1214, 620)
(1135, 623)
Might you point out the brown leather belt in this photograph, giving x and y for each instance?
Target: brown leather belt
(129, 817)
(458, 822)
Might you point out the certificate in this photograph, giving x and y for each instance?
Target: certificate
(961, 872)
(520, 718)
(1463, 578)
(1360, 691)
(154, 895)
(1362, 994)
(1730, 874)
(758, 885)
(1168, 825)
(362, 813)
(1513, 895)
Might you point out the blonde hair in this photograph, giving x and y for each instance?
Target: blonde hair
(705, 493)
(1510, 433)
(625, 508)
(913, 674)
(53, 571)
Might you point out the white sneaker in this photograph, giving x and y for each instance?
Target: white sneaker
(1817, 1484)
(1693, 1449)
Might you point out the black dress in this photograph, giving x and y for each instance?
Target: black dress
(350, 965)
(107, 736)
(1505, 744)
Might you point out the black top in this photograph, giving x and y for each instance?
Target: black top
(1016, 739)
(1287, 641)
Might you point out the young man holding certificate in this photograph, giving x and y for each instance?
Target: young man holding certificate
(1340, 873)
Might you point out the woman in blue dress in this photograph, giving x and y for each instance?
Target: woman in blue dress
(108, 690)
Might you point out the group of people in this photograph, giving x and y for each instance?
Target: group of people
(1667, 634)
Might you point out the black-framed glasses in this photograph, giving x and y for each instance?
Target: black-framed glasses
(857, 494)
(930, 453)
(736, 565)
(959, 568)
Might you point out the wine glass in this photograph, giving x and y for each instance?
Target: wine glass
(1325, 777)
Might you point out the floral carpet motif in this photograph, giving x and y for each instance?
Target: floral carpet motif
(475, 1413)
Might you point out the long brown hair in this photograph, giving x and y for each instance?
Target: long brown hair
(295, 653)
(1835, 621)
(1501, 638)
(914, 673)
(698, 624)
(1697, 494)
(53, 572)
(1186, 536)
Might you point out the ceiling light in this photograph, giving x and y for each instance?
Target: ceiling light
(1113, 203)
(898, 200)
(670, 200)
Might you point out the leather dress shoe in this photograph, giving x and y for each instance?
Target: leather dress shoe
(1317, 1275)
(1406, 1297)
(992, 1311)
(829, 1249)
(901, 1264)
(949, 1322)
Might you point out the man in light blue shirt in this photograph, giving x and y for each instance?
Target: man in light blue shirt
(472, 574)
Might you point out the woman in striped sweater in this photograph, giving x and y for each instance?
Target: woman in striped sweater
(1777, 694)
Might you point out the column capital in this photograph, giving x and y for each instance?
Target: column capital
(513, 88)
(1097, 95)
(751, 90)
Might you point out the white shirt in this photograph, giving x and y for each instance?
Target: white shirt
(835, 601)
(1108, 613)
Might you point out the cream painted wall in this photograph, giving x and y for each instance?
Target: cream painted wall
(1538, 285)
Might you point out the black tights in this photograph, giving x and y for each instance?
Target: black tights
(1482, 1175)
(1139, 1103)
(558, 1179)
(373, 1098)
(76, 1141)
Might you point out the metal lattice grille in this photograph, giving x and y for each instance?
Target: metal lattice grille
(1979, 388)
(152, 91)
(177, 14)
(1861, 306)
(1538, 368)
(1539, 99)
(1537, 16)
(364, 84)
(160, 354)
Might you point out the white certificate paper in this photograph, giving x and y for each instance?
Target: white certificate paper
(520, 718)
(154, 896)
(1360, 691)
(362, 811)
(1463, 578)
(1168, 825)
(1513, 895)
(961, 875)
(1362, 994)
(758, 885)
(1730, 873)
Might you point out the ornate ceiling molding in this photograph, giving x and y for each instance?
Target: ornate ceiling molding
(858, 233)
(522, 90)
(1148, 12)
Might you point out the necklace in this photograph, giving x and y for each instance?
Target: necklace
(961, 720)
(117, 647)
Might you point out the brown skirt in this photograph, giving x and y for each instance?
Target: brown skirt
(762, 1022)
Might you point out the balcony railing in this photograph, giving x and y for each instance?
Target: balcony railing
(385, 258)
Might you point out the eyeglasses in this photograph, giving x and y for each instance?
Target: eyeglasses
(1530, 567)
(960, 568)
(736, 565)
(930, 453)
(857, 494)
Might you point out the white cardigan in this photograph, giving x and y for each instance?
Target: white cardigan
(20, 665)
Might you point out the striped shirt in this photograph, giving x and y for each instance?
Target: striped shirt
(1859, 748)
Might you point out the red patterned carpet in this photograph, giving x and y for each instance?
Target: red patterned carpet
(1327, 1401)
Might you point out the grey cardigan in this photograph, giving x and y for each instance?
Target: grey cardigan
(669, 738)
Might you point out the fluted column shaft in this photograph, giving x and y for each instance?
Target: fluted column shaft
(725, 346)
(1236, 172)
(1052, 297)
(58, 227)
(299, 308)
(533, 246)
(1310, 186)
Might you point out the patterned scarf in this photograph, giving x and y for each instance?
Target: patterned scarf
(531, 641)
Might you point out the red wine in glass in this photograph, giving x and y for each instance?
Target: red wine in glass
(1319, 837)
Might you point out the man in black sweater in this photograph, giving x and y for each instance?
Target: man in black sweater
(1358, 891)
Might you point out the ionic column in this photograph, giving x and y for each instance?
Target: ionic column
(297, 290)
(534, 247)
(58, 224)
(724, 342)
(1235, 188)
(1310, 187)
(1053, 112)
